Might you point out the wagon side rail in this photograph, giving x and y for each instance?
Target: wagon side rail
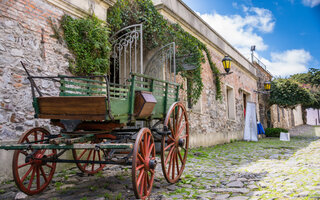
(165, 92)
(103, 87)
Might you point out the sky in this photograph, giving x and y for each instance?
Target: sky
(286, 33)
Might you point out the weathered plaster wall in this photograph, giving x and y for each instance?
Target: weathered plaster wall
(313, 116)
(286, 117)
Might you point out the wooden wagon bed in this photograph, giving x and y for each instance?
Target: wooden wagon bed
(72, 107)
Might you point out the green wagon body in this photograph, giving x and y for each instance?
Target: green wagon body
(121, 98)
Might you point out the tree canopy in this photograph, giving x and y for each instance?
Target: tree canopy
(303, 88)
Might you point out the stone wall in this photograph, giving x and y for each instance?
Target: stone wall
(26, 35)
(264, 109)
(286, 117)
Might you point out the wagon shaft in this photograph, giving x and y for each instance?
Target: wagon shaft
(63, 146)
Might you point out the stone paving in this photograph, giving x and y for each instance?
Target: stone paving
(268, 169)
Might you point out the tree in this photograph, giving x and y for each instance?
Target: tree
(288, 93)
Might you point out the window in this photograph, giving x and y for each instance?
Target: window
(230, 103)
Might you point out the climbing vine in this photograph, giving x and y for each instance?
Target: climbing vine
(158, 32)
(288, 93)
(88, 40)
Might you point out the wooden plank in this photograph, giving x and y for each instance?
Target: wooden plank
(73, 106)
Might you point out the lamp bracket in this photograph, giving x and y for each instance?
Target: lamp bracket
(224, 74)
(261, 91)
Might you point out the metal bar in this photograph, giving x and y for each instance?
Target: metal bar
(108, 99)
(33, 84)
(174, 61)
(166, 99)
(150, 77)
(64, 146)
(141, 49)
(151, 85)
(125, 162)
(131, 97)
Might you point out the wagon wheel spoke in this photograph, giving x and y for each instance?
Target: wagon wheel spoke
(170, 128)
(177, 119)
(173, 164)
(145, 185)
(181, 130)
(140, 158)
(43, 174)
(90, 156)
(169, 155)
(84, 151)
(177, 163)
(30, 181)
(25, 164)
(140, 167)
(143, 161)
(150, 149)
(173, 161)
(168, 146)
(180, 157)
(27, 174)
(140, 177)
(38, 178)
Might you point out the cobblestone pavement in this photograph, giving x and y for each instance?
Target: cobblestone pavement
(268, 169)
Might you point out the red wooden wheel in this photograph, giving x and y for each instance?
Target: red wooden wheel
(174, 147)
(31, 174)
(143, 164)
(89, 155)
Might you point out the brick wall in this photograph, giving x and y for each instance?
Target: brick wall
(25, 36)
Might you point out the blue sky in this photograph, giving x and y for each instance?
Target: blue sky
(286, 33)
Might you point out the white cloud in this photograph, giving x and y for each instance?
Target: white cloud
(311, 3)
(288, 62)
(241, 31)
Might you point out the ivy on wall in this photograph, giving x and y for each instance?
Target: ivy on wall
(158, 32)
(88, 40)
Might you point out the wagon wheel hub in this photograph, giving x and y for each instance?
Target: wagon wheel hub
(181, 142)
(38, 159)
(152, 163)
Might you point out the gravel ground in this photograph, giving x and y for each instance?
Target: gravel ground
(268, 169)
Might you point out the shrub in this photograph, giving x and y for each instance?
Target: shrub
(275, 132)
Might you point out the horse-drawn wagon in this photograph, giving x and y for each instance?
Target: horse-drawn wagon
(98, 117)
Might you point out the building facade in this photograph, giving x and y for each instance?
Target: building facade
(26, 29)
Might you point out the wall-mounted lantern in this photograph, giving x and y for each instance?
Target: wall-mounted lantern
(226, 61)
(267, 87)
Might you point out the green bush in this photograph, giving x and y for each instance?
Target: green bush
(275, 132)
